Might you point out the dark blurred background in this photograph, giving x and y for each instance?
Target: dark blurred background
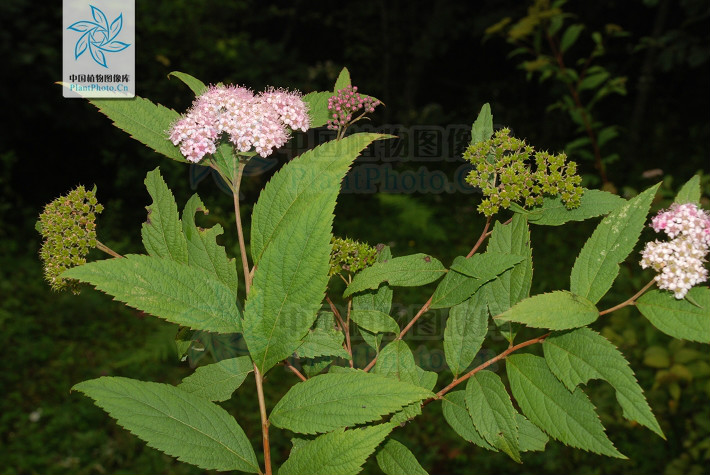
(429, 63)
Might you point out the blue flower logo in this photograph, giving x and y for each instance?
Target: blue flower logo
(98, 36)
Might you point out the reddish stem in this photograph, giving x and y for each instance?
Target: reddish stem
(427, 304)
(482, 366)
(294, 370)
(349, 347)
(583, 112)
(630, 301)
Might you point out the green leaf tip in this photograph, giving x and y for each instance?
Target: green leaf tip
(183, 425)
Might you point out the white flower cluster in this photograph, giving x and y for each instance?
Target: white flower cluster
(251, 121)
(680, 262)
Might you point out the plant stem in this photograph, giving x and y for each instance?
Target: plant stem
(630, 301)
(294, 370)
(264, 420)
(427, 304)
(582, 111)
(236, 182)
(481, 238)
(335, 311)
(421, 312)
(102, 247)
(482, 366)
(347, 333)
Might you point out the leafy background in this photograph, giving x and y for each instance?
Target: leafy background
(427, 62)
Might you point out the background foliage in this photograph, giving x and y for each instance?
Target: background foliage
(429, 65)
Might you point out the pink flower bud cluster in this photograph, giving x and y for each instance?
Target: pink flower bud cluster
(345, 103)
(680, 261)
(250, 121)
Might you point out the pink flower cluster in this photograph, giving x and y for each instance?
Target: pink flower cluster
(250, 121)
(345, 103)
(680, 261)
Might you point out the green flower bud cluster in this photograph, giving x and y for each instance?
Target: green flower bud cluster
(504, 173)
(68, 227)
(350, 256)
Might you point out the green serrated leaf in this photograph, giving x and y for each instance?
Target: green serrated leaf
(374, 321)
(457, 416)
(144, 121)
(162, 235)
(593, 81)
(378, 300)
(613, 240)
(530, 437)
(408, 413)
(217, 381)
(289, 285)
(318, 107)
(181, 424)
(325, 321)
(290, 190)
(454, 289)
(396, 459)
(343, 80)
(291, 241)
(185, 295)
(405, 271)
(690, 192)
(330, 401)
(678, 318)
(577, 356)
(559, 310)
(569, 37)
(513, 285)
(396, 361)
(372, 339)
(322, 343)
(313, 366)
(202, 248)
(195, 85)
(485, 266)
(565, 416)
(466, 328)
(553, 211)
(426, 379)
(341, 452)
(482, 129)
(492, 412)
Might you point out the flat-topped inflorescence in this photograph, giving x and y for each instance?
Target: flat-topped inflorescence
(680, 262)
(260, 122)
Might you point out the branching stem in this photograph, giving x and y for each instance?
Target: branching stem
(484, 365)
(427, 304)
